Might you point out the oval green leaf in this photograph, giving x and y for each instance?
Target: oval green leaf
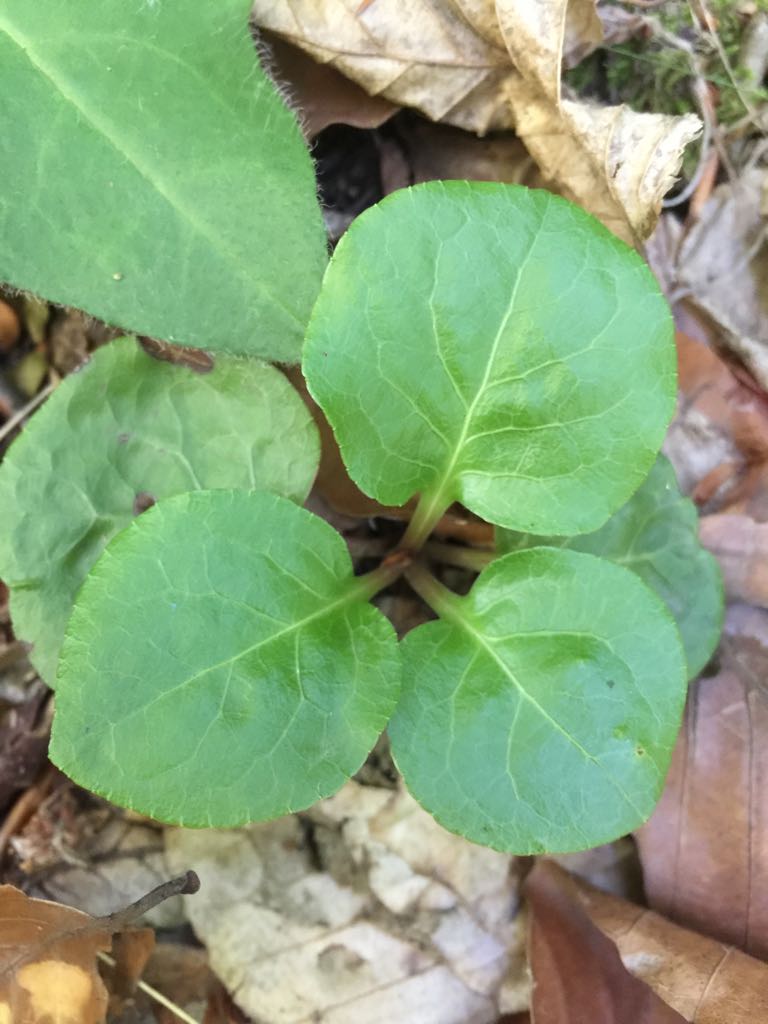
(541, 712)
(656, 535)
(152, 174)
(497, 346)
(222, 664)
(122, 432)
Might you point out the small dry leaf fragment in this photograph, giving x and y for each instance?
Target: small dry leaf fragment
(485, 65)
(577, 972)
(48, 971)
(705, 850)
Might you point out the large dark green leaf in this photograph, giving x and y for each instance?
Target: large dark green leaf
(494, 345)
(122, 432)
(151, 174)
(541, 712)
(656, 535)
(222, 664)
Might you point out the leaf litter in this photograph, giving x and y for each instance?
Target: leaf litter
(718, 445)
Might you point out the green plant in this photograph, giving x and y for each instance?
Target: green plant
(216, 660)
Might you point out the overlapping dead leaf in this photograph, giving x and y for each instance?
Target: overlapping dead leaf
(485, 65)
(363, 909)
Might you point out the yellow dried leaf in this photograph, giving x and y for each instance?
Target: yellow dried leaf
(494, 64)
(48, 971)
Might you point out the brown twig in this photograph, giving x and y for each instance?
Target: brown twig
(181, 886)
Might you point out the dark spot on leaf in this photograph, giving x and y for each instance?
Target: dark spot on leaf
(123, 438)
(610, 683)
(142, 502)
(640, 751)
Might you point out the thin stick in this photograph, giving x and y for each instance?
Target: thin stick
(724, 60)
(19, 417)
(120, 919)
(154, 994)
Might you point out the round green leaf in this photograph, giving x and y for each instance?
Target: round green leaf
(541, 713)
(222, 664)
(494, 345)
(152, 175)
(656, 534)
(122, 432)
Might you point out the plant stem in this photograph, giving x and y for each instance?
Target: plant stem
(391, 569)
(475, 559)
(428, 512)
(439, 598)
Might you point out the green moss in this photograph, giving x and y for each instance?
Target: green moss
(651, 74)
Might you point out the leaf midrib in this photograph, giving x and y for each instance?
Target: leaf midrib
(353, 594)
(107, 132)
(438, 493)
(464, 623)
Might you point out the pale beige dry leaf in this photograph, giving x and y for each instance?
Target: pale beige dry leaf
(362, 909)
(485, 65)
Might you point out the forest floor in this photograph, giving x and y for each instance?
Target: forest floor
(330, 895)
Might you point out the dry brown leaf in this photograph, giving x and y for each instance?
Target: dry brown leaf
(486, 65)
(718, 440)
(705, 850)
(578, 976)
(741, 547)
(320, 94)
(723, 264)
(48, 971)
(705, 981)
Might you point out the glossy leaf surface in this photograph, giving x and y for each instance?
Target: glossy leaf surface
(122, 432)
(656, 535)
(153, 176)
(540, 713)
(222, 665)
(494, 345)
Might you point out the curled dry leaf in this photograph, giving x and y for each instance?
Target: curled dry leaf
(321, 95)
(577, 972)
(48, 962)
(705, 850)
(362, 909)
(705, 981)
(494, 64)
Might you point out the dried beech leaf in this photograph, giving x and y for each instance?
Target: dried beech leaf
(705, 850)
(319, 94)
(485, 65)
(48, 971)
(577, 971)
(705, 981)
